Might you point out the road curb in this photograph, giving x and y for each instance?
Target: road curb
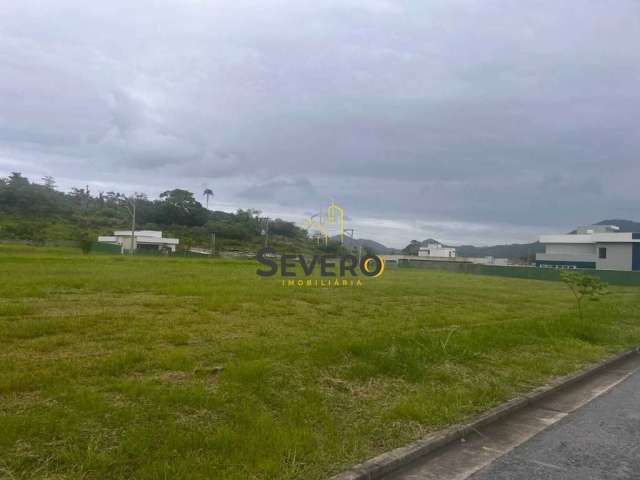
(392, 460)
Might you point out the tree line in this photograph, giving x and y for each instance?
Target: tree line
(39, 211)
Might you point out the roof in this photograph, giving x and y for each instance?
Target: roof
(588, 229)
(142, 236)
(142, 233)
(624, 237)
(436, 246)
(157, 240)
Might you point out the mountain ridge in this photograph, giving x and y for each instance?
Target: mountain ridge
(366, 243)
(513, 250)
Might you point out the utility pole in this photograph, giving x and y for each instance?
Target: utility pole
(350, 232)
(133, 222)
(130, 205)
(87, 196)
(266, 232)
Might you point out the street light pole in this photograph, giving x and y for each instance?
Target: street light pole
(266, 233)
(133, 222)
(130, 205)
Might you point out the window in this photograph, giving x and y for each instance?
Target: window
(602, 252)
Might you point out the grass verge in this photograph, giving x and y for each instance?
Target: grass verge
(117, 367)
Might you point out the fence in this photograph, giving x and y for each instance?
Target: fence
(533, 273)
(101, 247)
(44, 243)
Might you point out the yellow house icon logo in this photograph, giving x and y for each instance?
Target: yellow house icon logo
(317, 224)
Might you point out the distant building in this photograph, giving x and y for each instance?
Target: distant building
(487, 260)
(491, 260)
(142, 240)
(437, 250)
(601, 247)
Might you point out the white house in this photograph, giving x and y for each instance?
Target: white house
(437, 250)
(142, 240)
(601, 247)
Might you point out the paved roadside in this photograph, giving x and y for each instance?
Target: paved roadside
(601, 440)
(587, 431)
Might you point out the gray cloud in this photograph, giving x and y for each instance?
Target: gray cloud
(292, 193)
(514, 116)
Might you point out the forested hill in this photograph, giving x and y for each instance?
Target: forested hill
(40, 212)
(623, 225)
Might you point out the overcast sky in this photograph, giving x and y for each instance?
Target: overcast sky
(468, 121)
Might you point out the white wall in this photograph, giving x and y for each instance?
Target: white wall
(586, 250)
(437, 252)
(619, 256)
(126, 243)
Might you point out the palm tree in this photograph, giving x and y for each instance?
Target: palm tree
(207, 194)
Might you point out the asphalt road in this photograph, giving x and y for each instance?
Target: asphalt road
(601, 440)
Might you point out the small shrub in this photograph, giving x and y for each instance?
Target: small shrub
(86, 245)
(583, 286)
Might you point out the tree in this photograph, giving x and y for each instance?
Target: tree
(583, 286)
(333, 248)
(282, 227)
(412, 248)
(368, 251)
(85, 240)
(49, 182)
(16, 179)
(179, 207)
(81, 196)
(207, 194)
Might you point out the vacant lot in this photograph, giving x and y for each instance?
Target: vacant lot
(117, 367)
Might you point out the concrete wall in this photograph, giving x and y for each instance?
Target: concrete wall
(619, 256)
(533, 273)
(565, 257)
(585, 250)
(583, 255)
(126, 243)
(442, 252)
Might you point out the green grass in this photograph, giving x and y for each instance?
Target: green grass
(117, 367)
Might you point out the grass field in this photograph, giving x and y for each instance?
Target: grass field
(117, 367)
